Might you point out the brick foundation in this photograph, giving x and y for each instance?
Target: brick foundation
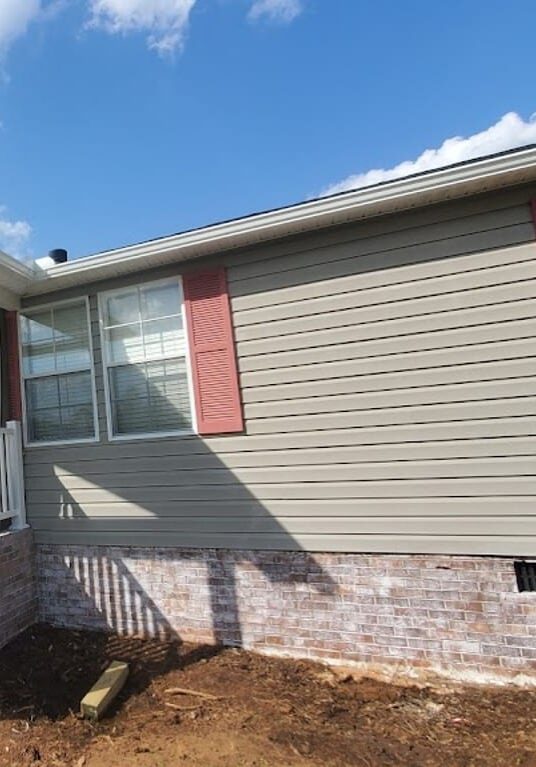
(18, 598)
(453, 612)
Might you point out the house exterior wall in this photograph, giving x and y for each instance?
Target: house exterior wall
(457, 614)
(389, 385)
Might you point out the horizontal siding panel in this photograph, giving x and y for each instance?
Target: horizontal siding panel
(423, 341)
(499, 545)
(471, 392)
(459, 411)
(431, 488)
(316, 370)
(370, 239)
(337, 507)
(512, 311)
(400, 270)
(446, 214)
(295, 526)
(421, 309)
(405, 451)
(378, 435)
(525, 367)
(388, 470)
(495, 268)
(299, 280)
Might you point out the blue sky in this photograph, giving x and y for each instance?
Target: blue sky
(124, 120)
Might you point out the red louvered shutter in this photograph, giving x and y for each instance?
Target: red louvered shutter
(13, 368)
(533, 208)
(212, 352)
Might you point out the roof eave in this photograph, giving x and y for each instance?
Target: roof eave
(448, 183)
(15, 280)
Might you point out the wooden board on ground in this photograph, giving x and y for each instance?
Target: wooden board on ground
(103, 692)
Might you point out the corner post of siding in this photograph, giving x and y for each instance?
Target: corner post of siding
(533, 211)
(15, 475)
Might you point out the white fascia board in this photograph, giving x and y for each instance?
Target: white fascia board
(449, 183)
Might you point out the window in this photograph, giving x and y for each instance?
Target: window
(57, 371)
(145, 360)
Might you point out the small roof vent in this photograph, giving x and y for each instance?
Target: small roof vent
(58, 255)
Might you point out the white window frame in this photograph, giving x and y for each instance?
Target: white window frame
(106, 365)
(24, 312)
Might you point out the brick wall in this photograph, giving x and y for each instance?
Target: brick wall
(455, 612)
(18, 598)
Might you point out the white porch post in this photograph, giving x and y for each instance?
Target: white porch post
(15, 475)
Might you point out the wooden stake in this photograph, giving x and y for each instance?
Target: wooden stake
(103, 692)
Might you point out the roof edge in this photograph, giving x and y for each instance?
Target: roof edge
(15, 276)
(470, 177)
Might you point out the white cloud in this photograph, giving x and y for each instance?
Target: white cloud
(15, 16)
(509, 132)
(164, 21)
(14, 236)
(276, 10)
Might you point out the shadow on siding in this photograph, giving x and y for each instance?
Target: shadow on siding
(183, 591)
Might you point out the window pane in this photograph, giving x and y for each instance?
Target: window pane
(128, 382)
(56, 340)
(169, 394)
(121, 308)
(160, 301)
(44, 426)
(57, 424)
(42, 393)
(163, 338)
(75, 389)
(60, 407)
(70, 320)
(150, 398)
(124, 344)
(38, 359)
(37, 328)
(71, 337)
(38, 346)
(77, 422)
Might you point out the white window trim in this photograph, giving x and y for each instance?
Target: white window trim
(23, 378)
(105, 366)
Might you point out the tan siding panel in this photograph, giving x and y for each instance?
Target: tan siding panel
(391, 470)
(511, 311)
(525, 367)
(447, 340)
(385, 272)
(430, 488)
(371, 239)
(324, 456)
(499, 506)
(293, 526)
(495, 206)
(317, 370)
(495, 268)
(472, 392)
(521, 406)
(378, 435)
(418, 310)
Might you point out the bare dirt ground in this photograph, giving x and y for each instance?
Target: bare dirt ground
(266, 712)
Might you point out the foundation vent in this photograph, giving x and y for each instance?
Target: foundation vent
(526, 575)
